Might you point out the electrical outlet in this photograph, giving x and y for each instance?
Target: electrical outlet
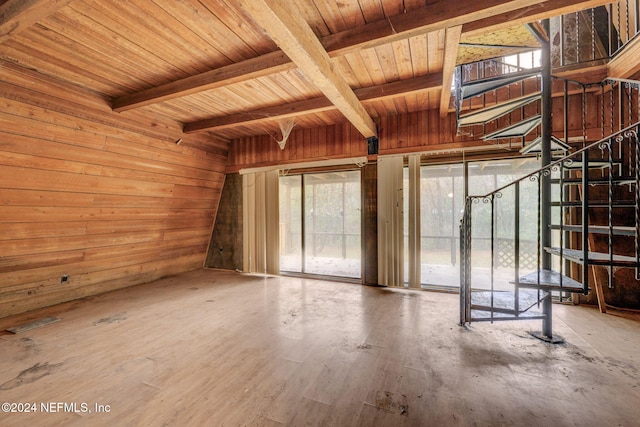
(64, 278)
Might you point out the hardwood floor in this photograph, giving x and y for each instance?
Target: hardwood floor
(221, 348)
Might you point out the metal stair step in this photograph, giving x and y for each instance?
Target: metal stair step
(595, 258)
(482, 86)
(617, 230)
(516, 130)
(535, 147)
(593, 164)
(549, 280)
(621, 180)
(597, 204)
(503, 307)
(487, 114)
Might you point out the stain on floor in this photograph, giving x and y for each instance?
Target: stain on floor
(31, 375)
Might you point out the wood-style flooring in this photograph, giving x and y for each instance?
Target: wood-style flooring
(219, 348)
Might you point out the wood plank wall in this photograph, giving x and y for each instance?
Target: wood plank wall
(107, 199)
(399, 133)
(413, 132)
(335, 141)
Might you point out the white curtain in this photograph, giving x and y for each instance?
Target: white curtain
(390, 221)
(261, 244)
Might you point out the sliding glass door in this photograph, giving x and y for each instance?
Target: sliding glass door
(442, 190)
(320, 223)
(442, 204)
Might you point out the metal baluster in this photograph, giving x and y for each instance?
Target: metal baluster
(561, 30)
(610, 210)
(620, 114)
(577, 14)
(516, 250)
(636, 142)
(627, 17)
(463, 266)
(492, 249)
(619, 28)
(610, 28)
(539, 252)
(561, 225)
(585, 222)
(566, 111)
(637, 17)
(584, 115)
(611, 108)
(602, 92)
(593, 34)
(629, 98)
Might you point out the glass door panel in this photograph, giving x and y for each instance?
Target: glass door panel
(332, 216)
(320, 220)
(441, 208)
(291, 223)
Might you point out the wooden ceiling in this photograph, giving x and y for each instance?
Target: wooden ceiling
(233, 68)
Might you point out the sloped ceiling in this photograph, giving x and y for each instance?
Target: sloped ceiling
(213, 65)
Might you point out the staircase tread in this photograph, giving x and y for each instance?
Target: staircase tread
(594, 257)
(600, 203)
(504, 301)
(593, 164)
(622, 180)
(618, 230)
(550, 280)
(479, 315)
(519, 129)
(492, 112)
(535, 146)
(482, 86)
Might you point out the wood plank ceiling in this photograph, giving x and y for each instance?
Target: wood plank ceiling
(213, 65)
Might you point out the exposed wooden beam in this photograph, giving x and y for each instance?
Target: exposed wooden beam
(18, 15)
(285, 25)
(531, 13)
(625, 65)
(316, 105)
(253, 68)
(451, 42)
(433, 17)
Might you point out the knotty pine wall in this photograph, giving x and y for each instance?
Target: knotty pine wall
(107, 199)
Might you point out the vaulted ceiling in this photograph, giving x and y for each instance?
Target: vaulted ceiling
(234, 68)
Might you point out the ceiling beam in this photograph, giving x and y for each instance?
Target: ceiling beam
(253, 68)
(285, 25)
(451, 42)
(316, 105)
(18, 15)
(432, 17)
(511, 18)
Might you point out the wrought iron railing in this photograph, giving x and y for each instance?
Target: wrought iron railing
(612, 166)
(594, 34)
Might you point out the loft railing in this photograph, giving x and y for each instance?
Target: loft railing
(594, 34)
(599, 163)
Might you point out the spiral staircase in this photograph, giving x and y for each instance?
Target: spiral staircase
(581, 206)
